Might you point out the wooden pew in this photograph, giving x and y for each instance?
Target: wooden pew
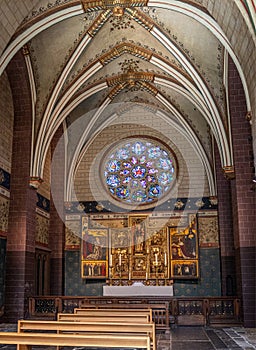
(125, 318)
(90, 328)
(26, 340)
(114, 311)
(160, 311)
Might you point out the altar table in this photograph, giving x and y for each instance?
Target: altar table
(137, 290)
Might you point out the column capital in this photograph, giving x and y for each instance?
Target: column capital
(35, 182)
(229, 172)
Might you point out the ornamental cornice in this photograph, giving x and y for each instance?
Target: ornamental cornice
(98, 23)
(139, 17)
(115, 91)
(125, 48)
(117, 6)
(131, 78)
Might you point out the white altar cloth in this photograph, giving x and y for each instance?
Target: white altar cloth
(137, 290)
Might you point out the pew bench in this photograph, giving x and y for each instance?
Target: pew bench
(25, 341)
(113, 311)
(124, 318)
(95, 328)
(160, 311)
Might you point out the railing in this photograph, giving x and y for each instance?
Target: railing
(182, 311)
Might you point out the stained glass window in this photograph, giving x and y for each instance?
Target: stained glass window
(139, 171)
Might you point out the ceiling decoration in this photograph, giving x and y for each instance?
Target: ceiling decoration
(117, 6)
(168, 54)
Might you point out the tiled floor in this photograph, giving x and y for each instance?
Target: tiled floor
(189, 338)
(203, 338)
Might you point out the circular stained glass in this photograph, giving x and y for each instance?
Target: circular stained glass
(138, 171)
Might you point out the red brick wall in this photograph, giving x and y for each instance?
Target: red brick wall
(21, 229)
(243, 198)
(226, 230)
(57, 227)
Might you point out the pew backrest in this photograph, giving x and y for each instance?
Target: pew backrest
(89, 328)
(113, 311)
(25, 340)
(160, 311)
(104, 318)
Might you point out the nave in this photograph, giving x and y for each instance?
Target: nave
(185, 338)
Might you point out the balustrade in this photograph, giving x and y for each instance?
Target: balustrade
(210, 310)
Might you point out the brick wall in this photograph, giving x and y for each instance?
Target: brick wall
(191, 181)
(6, 122)
(12, 13)
(231, 20)
(243, 196)
(6, 136)
(44, 188)
(226, 230)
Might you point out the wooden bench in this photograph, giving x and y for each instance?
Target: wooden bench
(113, 311)
(160, 311)
(125, 318)
(90, 328)
(26, 340)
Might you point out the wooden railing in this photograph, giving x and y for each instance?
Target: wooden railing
(182, 310)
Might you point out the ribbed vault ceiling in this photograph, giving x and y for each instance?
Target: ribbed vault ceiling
(86, 59)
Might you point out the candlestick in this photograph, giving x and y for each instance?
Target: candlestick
(165, 259)
(129, 275)
(110, 260)
(156, 259)
(120, 259)
(146, 275)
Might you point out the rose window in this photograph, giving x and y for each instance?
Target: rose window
(139, 171)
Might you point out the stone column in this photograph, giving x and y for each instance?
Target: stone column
(227, 249)
(20, 257)
(57, 226)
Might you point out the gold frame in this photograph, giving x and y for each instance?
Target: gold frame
(184, 250)
(94, 253)
(182, 269)
(137, 225)
(94, 269)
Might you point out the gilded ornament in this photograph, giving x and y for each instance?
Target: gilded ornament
(229, 172)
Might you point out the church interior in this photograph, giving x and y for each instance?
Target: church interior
(128, 157)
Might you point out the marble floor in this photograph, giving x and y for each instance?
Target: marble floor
(188, 338)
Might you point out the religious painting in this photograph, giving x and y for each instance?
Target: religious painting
(94, 244)
(94, 269)
(208, 231)
(72, 235)
(184, 269)
(184, 243)
(139, 267)
(184, 250)
(120, 252)
(157, 253)
(138, 233)
(120, 238)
